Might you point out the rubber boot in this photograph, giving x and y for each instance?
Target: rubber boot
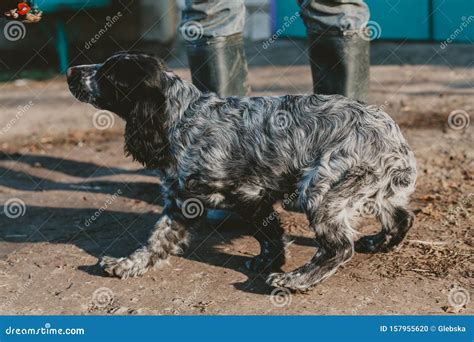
(219, 65)
(340, 64)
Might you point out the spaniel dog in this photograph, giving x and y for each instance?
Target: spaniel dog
(336, 157)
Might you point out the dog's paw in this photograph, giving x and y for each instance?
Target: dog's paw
(123, 267)
(365, 245)
(290, 280)
(371, 244)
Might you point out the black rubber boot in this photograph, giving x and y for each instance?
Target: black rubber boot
(219, 65)
(340, 65)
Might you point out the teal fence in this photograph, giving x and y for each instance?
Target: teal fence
(61, 39)
(58, 5)
(402, 19)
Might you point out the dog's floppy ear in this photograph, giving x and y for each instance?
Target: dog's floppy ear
(145, 133)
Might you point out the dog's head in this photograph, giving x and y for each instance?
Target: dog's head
(122, 82)
(136, 87)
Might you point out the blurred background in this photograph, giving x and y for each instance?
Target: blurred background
(75, 32)
(421, 54)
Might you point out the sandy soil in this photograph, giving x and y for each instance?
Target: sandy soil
(64, 171)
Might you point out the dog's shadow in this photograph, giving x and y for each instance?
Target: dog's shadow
(114, 233)
(118, 234)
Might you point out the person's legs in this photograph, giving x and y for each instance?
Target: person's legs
(214, 41)
(339, 50)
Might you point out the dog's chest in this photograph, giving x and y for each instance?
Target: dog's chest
(184, 186)
(211, 192)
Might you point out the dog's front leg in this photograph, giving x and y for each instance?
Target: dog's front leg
(169, 237)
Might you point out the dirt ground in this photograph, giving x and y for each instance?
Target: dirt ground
(61, 171)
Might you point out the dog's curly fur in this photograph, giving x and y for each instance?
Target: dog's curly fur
(335, 155)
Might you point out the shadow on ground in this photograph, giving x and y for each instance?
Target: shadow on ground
(114, 233)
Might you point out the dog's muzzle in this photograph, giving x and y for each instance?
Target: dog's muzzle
(82, 82)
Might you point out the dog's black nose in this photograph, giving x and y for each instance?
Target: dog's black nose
(73, 71)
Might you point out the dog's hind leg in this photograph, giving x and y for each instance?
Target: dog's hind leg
(333, 240)
(334, 248)
(392, 213)
(269, 234)
(396, 221)
(169, 237)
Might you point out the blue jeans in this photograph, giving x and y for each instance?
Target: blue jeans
(218, 18)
